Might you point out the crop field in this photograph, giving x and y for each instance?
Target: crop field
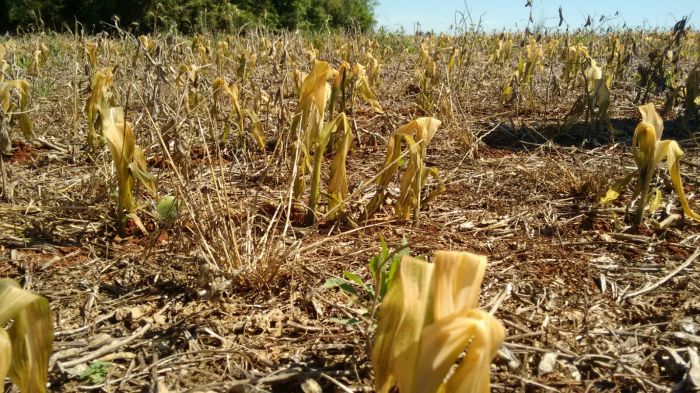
(233, 213)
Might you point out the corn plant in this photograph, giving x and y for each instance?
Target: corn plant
(314, 93)
(100, 91)
(39, 58)
(594, 100)
(529, 61)
(26, 346)
(14, 100)
(314, 138)
(427, 319)
(574, 58)
(188, 75)
(501, 52)
(417, 135)
(90, 50)
(692, 96)
(338, 183)
(231, 91)
(129, 161)
(649, 150)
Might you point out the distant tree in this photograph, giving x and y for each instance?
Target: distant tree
(188, 15)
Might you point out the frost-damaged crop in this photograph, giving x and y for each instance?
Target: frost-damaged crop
(14, 99)
(26, 346)
(100, 91)
(530, 59)
(129, 161)
(595, 98)
(648, 150)
(427, 320)
(417, 134)
(238, 114)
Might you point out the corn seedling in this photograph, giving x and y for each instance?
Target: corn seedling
(90, 50)
(502, 52)
(417, 135)
(692, 96)
(314, 93)
(100, 91)
(26, 346)
(574, 58)
(338, 183)
(382, 267)
(39, 58)
(14, 99)
(188, 75)
(222, 51)
(129, 161)
(521, 79)
(428, 320)
(238, 114)
(649, 150)
(594, 100)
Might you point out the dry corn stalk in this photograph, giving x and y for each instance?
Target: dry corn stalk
(26, 346)
(417, 134)
(129, 161)
(189, 75)
(692, 96)
(338, 185)
(100, 90)
(648, 150)
(314, 93)
(427, 319)
(91, 52)
(20, 107)
(221, 87)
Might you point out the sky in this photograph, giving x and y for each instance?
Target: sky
(438, 15)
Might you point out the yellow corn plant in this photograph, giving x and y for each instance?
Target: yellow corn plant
(374, 69)
(692, 96)
(417, 134)
(129, 161)
(39, 58)
(427, 319)
(362, 86)
(247, 62)
(502, 52)
(338, 184)
(314, 93)
(649, 150)
(100, 90)
(188, 75)
(222, 50)
(200, 47)
(315, 137)
(618, 58)
(574, 57)
(3, 64)
(19, 107)
(530, 59)
(426, 74)
(26, 346)
(231, 91)
(90, 50)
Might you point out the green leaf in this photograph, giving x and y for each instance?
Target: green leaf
(352, 277)
(335, 282)
(96, 373)
(345, 322)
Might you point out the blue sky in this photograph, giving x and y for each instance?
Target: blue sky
(438, 15)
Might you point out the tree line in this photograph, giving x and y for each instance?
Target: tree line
(185, 16)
